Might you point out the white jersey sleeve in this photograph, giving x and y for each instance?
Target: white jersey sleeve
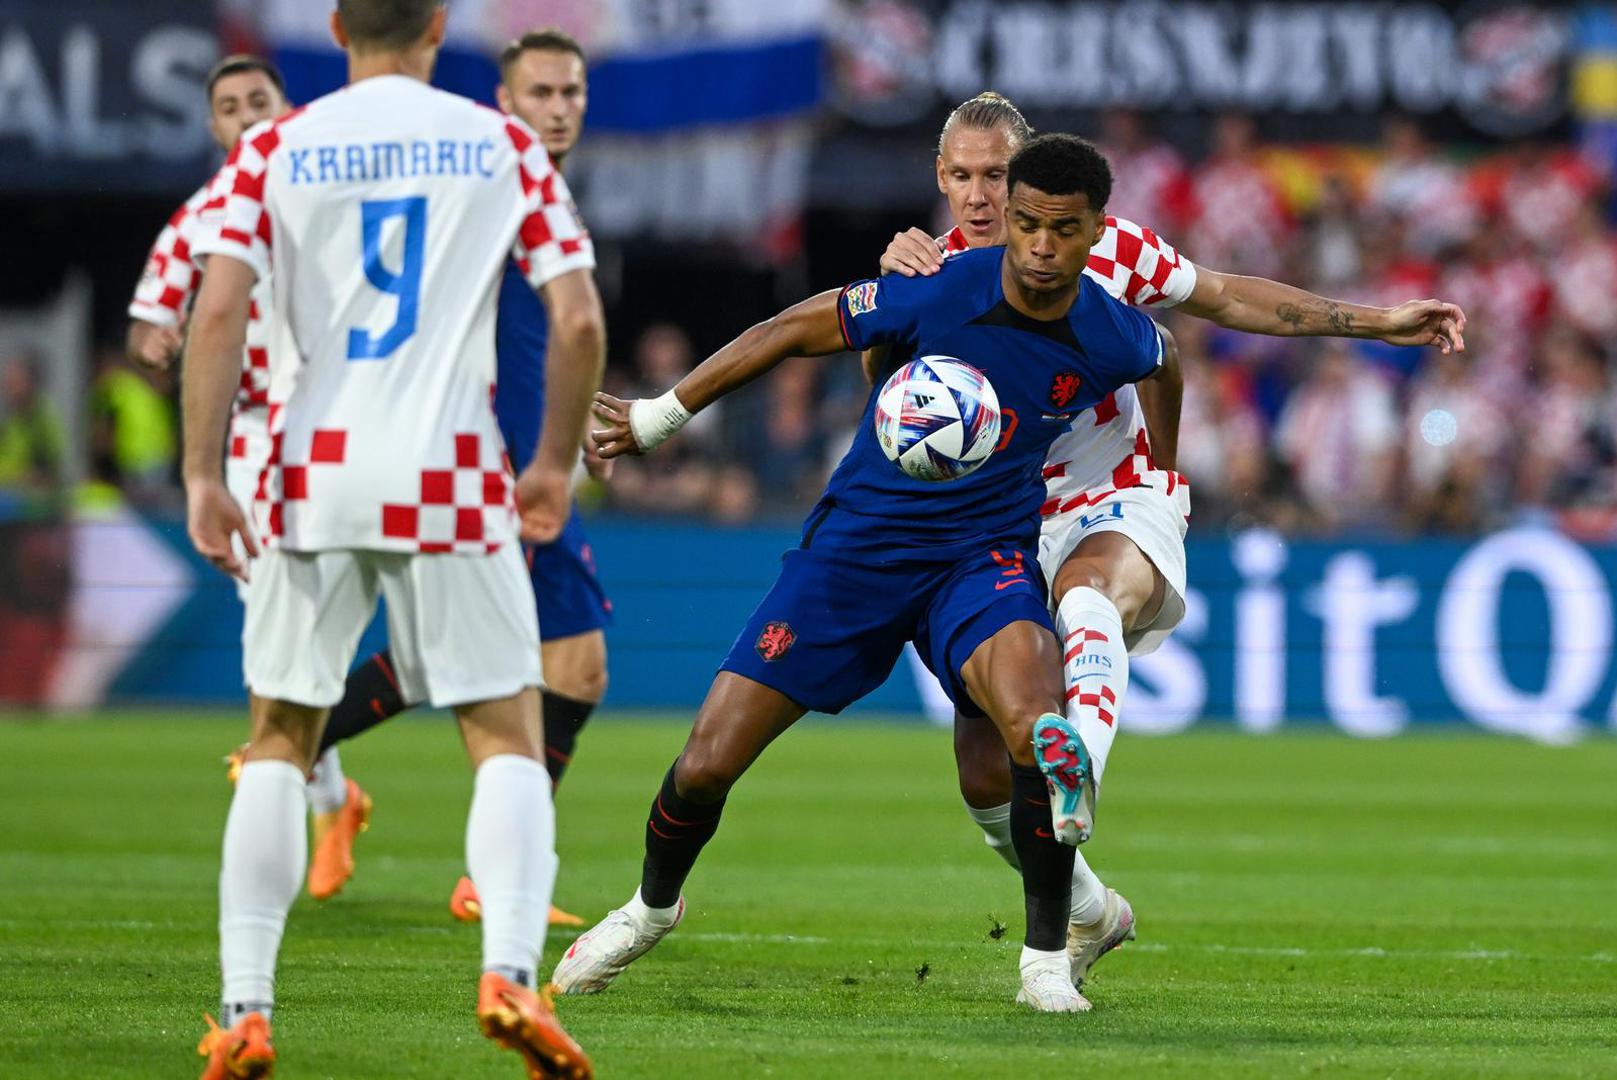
(552, 240)
(237, 223)
(1138, 267)
(170, 277)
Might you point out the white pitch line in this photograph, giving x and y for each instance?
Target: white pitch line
(1371, 951)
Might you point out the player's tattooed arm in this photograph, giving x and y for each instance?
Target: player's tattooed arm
(1261, 306)
(1160, 396)
(810, 328)
(212, 373)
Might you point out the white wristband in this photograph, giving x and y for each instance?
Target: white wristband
(656, 421)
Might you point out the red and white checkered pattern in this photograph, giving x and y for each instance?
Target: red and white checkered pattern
(1104, 703)
(170, 279)
(465, 506)
(399, 452)
(1139, 267)
(164, 296)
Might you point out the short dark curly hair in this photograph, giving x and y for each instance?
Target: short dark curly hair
(1059, 164)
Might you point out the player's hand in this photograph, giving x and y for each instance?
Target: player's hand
(156, 347)
(616, 438)
(1426, 322)
(544, 499)
(598, 467)
(213, 519)
(912, 253)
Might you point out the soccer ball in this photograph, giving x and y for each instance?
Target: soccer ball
(937, 418)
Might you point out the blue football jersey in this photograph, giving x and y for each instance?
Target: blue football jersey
(520, 332)
(1044, 373)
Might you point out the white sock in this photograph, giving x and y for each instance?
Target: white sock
(265, 848)
(995, 822)
(1096, 665)
(1088, 893)
(511, 856)
(328, 788)
(655, 916)
(1039, 957)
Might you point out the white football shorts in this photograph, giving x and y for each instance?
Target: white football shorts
(241, 480)
(1151, 517)
(461, 628)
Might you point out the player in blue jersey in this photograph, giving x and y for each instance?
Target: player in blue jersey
(542, 82)
(886, 559)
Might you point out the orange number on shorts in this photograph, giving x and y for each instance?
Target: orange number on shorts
(1007, 428)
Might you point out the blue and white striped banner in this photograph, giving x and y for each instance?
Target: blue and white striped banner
(698, 119)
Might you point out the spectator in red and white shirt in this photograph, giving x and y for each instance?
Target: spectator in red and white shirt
(1427, 194)
(1240, 220)
(1339, 434)
(1585, 282)
(1544, 191)
(1149, 178)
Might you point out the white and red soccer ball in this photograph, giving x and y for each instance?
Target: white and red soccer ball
(937, 418)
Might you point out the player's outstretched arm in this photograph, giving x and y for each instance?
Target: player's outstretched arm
(1260, 306)
(809, 328)
(1161, 394)
(212, 374)
(573, 364)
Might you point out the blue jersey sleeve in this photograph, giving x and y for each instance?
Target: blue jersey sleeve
(1141, 353)
(883, 311)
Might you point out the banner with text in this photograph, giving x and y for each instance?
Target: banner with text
(1511, 632)
(1478, 68)
(97, 96)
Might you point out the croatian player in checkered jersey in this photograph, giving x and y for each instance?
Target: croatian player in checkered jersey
(388, 210)
(543, 82)
(1112, 542)
(242, 91)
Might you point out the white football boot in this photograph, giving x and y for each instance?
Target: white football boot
(1064, 760)
(1047, 984)
(601, 953)
(1088, 942)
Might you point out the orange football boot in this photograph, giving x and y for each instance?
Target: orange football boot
(520, 1019)
(464, 905)
(242, 1053)
(334, 833)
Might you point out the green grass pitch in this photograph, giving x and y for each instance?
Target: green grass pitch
(1308, 905)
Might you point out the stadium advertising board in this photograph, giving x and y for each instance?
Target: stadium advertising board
(1511, 632)
(1491, 68)
(98, 96)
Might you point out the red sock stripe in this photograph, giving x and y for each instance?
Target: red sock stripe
(387, 673)
(670, 818)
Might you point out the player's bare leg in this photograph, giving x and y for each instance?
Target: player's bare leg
(262, 866)
(737, 721)
(575, 683)
(511, 852)
(1014, 676)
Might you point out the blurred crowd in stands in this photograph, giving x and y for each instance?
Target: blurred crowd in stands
(1314, 436)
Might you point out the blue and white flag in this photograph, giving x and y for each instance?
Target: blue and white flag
(700, 114)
